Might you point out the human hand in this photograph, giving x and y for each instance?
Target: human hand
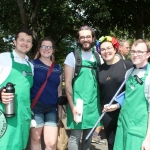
(146, 144)
(110, 108)
(6, 97)
(75, 112)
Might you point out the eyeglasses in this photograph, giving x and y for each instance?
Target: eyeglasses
(88, 37)
(43, 47)
(139, 53)
(108, 49)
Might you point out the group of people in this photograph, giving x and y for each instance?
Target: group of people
(127, 126)
(28, 77)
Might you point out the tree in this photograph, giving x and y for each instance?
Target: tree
(61, 19)
(129, 18)
(45, 18)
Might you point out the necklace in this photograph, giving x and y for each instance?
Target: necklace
(108, 72)
(108, 78)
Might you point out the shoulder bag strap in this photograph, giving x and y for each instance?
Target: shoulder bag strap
(42, 87)
(97, 56)
(78, 64)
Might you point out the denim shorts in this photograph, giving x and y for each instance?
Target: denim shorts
(45, 115)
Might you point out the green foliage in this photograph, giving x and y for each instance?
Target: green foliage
(61, 19)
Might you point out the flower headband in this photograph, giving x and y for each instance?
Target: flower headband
(114, 42)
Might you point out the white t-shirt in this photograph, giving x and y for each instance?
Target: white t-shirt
(70, 59)
(6, 64)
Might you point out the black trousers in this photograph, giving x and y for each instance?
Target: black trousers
(110, 125)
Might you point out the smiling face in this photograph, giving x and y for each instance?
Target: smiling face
(107, 52)
(142, 59)
(23, 44)
(46, 49)
(85, 40)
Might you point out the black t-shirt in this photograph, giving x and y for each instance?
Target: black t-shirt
(110, 79)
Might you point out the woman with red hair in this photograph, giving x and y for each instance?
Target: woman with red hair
(111, 76)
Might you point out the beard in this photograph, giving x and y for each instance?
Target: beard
(91, 44)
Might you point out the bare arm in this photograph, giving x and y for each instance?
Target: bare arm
(68, 84)
(146, 142)
(68, 87)
(60, 94)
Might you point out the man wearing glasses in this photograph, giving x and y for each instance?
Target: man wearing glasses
(83, 92)
(133, 132)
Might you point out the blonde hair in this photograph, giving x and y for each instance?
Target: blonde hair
(142, 41)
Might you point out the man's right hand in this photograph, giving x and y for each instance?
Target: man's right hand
(6, 97)
(75, 112)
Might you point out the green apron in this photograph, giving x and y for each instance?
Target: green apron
(85, 87)
(16, 136)
(133, 118)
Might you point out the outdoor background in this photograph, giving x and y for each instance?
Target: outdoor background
(60, 19)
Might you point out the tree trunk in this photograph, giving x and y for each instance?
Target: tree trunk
(22, 14)
(139, 32)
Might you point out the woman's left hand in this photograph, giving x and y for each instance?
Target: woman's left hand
(110, 108)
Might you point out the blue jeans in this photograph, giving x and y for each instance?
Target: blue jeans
(45, 115)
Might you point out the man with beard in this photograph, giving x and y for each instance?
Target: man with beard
(84, 90)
